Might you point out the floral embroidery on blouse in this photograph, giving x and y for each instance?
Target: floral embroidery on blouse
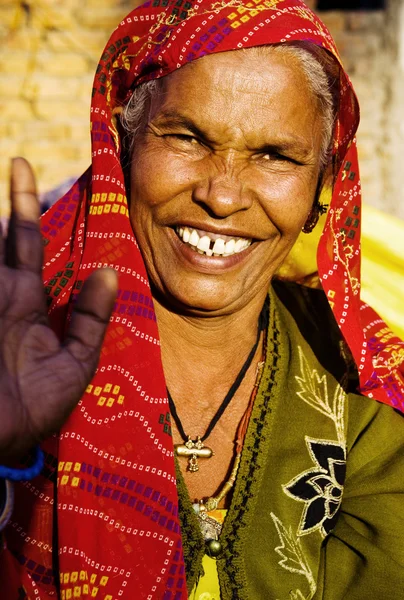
(320, 488)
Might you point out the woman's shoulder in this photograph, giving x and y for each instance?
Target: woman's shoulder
(311, 313)
(310, 309)
(315, 322)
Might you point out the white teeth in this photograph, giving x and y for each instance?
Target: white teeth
(194, 239)
(204, 243)
(229, 248)
(218, 248)
(212, 247)
(240, 245)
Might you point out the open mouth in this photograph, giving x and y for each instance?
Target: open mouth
(212, 244)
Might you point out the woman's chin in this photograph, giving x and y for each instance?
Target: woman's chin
(199, 301)
(201, 306)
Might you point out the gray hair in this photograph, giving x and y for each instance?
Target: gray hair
(132, 117)
(320, 69)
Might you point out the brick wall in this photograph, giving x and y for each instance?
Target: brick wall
(49, 50)
(48, 53)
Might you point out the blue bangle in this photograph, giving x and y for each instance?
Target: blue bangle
(24, 474)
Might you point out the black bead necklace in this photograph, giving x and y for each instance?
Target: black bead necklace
(195, 448)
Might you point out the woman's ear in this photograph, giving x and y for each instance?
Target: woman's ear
(324, 183)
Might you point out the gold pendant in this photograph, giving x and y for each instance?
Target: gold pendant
(193, 450)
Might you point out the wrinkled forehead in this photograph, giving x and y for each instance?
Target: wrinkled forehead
(240, 85)
(241, 78)
(245, 72)
(231, 62)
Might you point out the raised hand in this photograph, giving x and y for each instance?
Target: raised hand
(41, 380)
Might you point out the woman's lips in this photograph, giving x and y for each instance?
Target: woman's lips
(212, 244)
(207, 262)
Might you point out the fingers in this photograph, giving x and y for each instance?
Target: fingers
(91, 316)
(23, 190)
(24, 248)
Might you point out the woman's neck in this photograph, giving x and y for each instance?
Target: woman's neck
(201, 359)
(203, 355)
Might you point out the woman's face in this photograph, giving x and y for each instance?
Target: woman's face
(223, 178)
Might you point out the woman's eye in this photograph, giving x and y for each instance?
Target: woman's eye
(188, 139)
(276, 157)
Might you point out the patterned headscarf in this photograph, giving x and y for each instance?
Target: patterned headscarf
(115, 514)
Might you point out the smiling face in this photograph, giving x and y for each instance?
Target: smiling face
(223, 178)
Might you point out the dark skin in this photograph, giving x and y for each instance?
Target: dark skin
(236, 160)
(41, 380)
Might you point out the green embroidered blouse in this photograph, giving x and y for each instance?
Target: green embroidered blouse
(318, 506)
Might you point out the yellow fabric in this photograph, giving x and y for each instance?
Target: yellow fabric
(383, 266)
(207, 587)
(382, 263)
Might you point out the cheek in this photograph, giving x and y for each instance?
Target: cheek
(157, 177)
(287, 200)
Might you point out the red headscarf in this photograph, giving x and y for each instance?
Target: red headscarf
(116, 523)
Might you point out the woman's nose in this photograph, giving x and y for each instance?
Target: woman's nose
(222, 195)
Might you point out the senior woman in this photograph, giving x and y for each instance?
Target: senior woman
(221, 123)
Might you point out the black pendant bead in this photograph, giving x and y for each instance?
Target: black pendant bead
(213, 548)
